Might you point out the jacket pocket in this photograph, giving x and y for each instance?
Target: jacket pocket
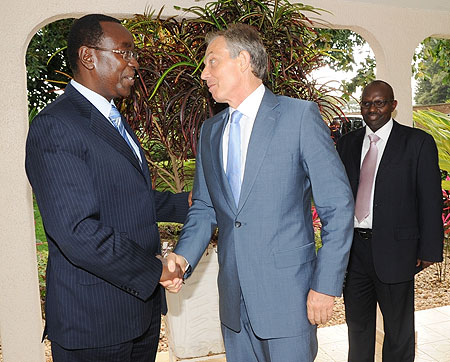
(297, 256)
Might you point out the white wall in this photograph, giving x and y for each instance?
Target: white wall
(392, 32)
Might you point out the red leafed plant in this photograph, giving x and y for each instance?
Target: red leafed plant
(170, 101)
(446, 222)
(446, 213)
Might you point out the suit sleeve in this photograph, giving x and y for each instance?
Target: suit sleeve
(201, 219)
(429, 195)
(333, 200)
(64, 187)
(171, 207)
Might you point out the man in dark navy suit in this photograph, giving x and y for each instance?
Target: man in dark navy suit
(398, 225)
(100, 213)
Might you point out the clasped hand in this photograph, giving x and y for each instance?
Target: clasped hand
(174, 267)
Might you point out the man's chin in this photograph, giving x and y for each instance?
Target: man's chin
(125, 92)
(217, 98)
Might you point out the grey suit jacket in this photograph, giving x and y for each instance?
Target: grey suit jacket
(266, 244)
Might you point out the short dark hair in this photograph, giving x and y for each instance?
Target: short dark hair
(241, 37)
(87, 31)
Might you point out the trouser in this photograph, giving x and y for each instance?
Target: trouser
(362, 291)
(140, 349)
(246, 346)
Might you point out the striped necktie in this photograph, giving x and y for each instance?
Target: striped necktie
(116, 120)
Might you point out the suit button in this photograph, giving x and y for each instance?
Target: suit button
(237, 224)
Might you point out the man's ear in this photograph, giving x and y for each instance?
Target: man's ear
(244, 60)
(86, 57)
(394, 105)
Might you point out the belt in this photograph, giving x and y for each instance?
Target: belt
(364, 234)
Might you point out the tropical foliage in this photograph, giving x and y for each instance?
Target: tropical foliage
(340, 46)
(171, 101)
(47, 68)
(431, 64)
(437, 124)
(432, 71)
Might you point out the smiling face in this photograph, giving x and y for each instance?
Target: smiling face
(111, 75)
(223, 74)
(374, 117)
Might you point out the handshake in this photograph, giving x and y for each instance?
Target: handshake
(174, 267)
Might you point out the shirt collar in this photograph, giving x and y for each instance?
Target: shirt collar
(98, 101)
(383, 132)
(249, 107)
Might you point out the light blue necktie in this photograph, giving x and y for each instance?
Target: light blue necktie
(116, 120)
(234, 156)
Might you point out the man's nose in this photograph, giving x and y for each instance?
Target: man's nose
(134, 63)
(205, 74)
(372, 107)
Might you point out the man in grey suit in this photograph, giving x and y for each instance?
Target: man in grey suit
(274, 288)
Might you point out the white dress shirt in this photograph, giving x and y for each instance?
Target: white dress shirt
(383, 133)
(104, 107)
(249, 108)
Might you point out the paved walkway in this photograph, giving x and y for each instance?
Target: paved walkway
(433, 340)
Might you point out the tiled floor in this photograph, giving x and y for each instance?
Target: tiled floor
(433, 340)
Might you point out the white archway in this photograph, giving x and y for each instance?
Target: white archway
(393, 28)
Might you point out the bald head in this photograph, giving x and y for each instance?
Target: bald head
(377, 104)
(380, 84)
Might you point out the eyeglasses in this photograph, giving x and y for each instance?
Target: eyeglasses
(377, 103)
(126, 54)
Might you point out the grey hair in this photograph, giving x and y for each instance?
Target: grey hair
(241, 37)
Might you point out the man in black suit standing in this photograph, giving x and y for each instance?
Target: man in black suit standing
(100, 213)
(394, 174)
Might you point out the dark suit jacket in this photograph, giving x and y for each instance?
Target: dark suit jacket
(407, 207)
(99, 212)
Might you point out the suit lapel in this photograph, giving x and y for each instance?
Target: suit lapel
(105, 130)
(261, 135)
(393, 148)
(145, 170)
(355, 162)
(216, 145)
(101, 127)
(260, 138)
(357, 147)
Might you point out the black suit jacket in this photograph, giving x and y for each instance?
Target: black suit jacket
(99, 212)
(407, 207)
